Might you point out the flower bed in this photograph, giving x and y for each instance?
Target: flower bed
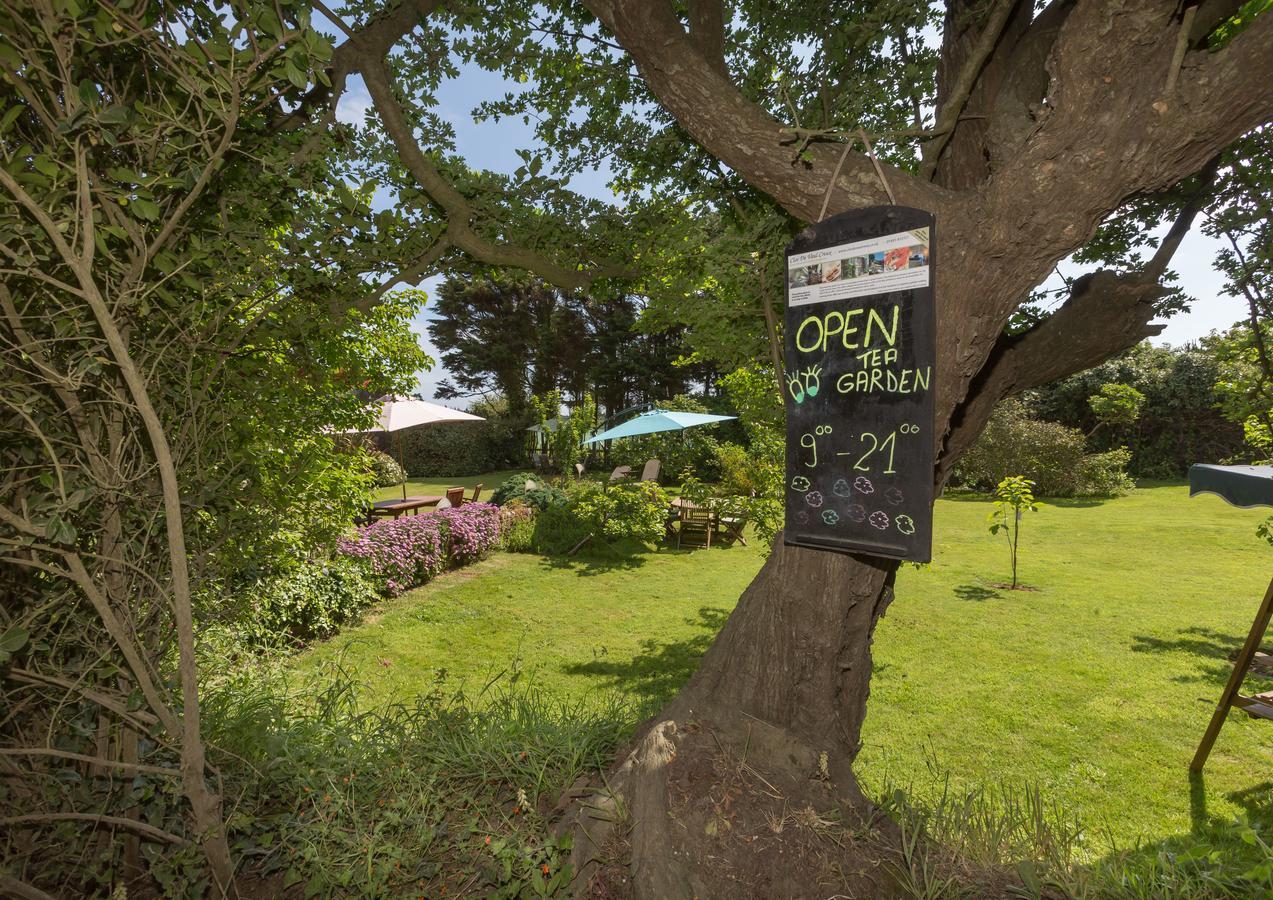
(406, 552)
(472, 531)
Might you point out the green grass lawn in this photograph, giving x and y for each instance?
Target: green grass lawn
(1095, 686)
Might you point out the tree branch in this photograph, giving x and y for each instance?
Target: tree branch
(373, 40)
(21, 890)
(456, 207)
(139, 717)
(150, 831)
(738, 131)
(1105, 314)
(707, 31)
(92, 760)
(964, 84)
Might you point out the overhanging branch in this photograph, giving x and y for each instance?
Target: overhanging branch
(738, 131)
(365, 53)
(1106, 313)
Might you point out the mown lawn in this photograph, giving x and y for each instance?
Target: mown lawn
(1095, 686)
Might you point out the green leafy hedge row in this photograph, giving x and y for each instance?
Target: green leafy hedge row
(1051, 455)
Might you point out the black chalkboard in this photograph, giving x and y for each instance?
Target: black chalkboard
(860, 353)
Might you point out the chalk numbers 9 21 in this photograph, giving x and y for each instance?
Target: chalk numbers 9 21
(878, 449)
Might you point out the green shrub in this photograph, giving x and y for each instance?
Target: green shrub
(1180, 421)
(611, 513)
(754, 475)
(561, 445)
(1051, 455)
(741, 472)
(517, 527)
(558, 529)
(632, 510)
(385, 469)
(1105, 474)
(309, 602)
(457, 449)
(541, 494)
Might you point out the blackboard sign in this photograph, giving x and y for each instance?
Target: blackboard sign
(860, 353)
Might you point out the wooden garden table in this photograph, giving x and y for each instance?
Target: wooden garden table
(411, 505)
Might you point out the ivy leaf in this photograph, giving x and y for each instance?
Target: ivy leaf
(145, 209)
(11, 641)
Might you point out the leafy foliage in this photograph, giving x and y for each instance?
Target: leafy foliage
(310, 602)
(385, 470)
(530, 490)
(1014, 496)
(515, 336)
(561, 435)
(458, 449)
(1179, 423)
(178, 342)
(611, 513)
(1116, 404)
(1051, 455)
(753, 475)
(517, 527)
(1245, 393)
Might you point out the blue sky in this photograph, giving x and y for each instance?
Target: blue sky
(493, 146)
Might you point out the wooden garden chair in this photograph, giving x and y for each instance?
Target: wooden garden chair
(477, 493)
(697, 525)
(651, 470)
(620, 473)
(454, 497)
(730, 525)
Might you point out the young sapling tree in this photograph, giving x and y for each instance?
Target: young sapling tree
(1013, 497)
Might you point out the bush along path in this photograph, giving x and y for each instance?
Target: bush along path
(313, 600)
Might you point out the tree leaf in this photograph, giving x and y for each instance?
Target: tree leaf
(145, 209)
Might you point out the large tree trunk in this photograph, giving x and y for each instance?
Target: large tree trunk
(751, 764)
(733, 789)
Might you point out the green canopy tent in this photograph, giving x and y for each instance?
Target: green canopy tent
(1245, 486)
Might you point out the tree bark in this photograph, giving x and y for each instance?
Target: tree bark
(1076, 123)
(773, 718)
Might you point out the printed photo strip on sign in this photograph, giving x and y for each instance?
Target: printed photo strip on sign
(860, 350)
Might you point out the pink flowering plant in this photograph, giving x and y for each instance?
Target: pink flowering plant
(472, 531)
(403, 553)
(399, 553)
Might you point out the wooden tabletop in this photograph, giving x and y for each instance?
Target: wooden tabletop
(397, 506)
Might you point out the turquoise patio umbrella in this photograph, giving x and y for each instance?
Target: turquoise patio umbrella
(657, 420)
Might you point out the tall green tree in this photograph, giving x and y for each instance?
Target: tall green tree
(500, 333)
(1242, 218)
(517, 336)
(176, 350)
(1048, 121)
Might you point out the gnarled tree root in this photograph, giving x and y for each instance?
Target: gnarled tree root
(724, 805)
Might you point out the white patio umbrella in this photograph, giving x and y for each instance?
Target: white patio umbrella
(397, 413)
